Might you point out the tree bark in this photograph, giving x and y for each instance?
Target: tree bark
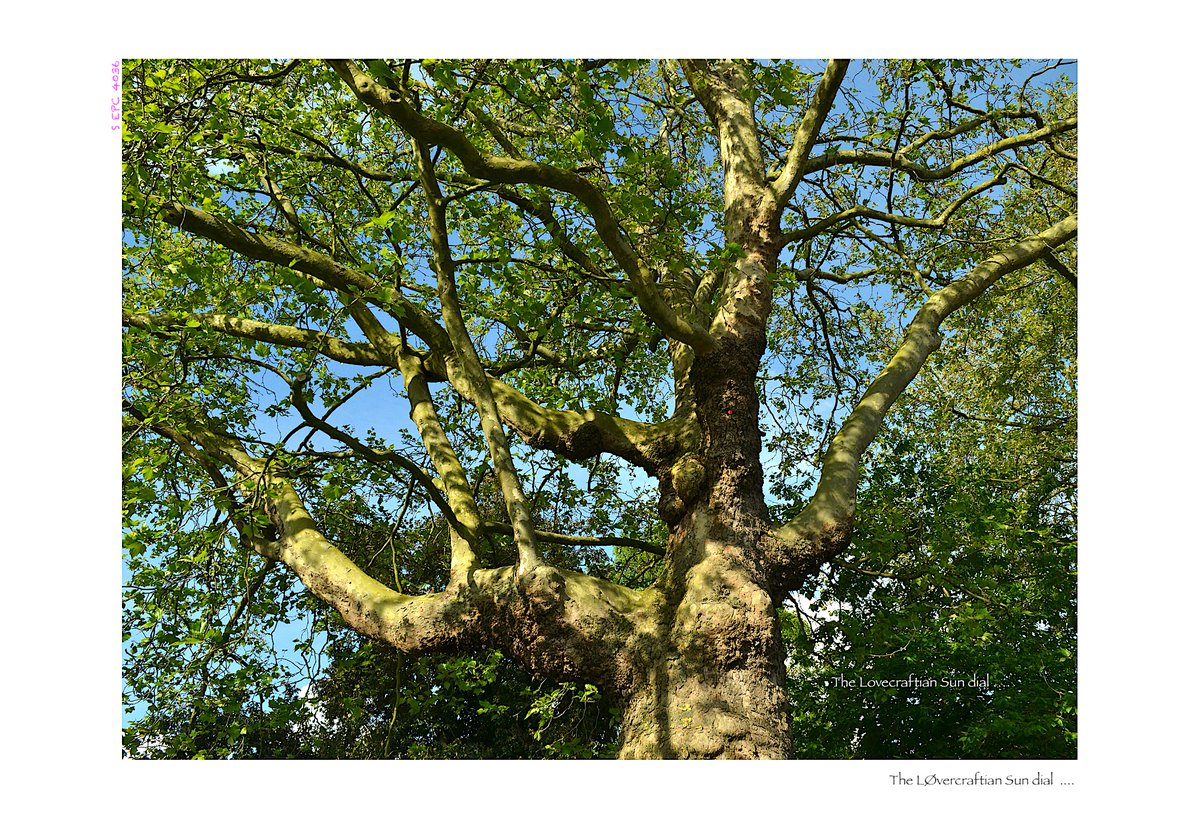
(711, 683)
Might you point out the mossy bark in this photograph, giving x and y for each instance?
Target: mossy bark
(711, 683)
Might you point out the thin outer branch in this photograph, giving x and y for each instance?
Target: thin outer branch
(329, 158)
(541, 210)
(963, 127)
(575, 539)
(936, 223)
(925, 174)
(1057, 266)
(376, 456)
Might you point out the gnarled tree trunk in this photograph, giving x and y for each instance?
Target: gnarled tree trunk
(711, 683)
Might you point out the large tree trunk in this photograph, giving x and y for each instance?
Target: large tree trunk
(712, 684)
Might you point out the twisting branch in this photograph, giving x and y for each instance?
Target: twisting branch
(506, 169)
(926, 174)
(329, 157)
(936, 223)
(581, 435)
(267, 78)
(965, 127)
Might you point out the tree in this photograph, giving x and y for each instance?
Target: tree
(607, 293)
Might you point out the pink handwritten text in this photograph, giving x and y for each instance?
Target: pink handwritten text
(115, 106)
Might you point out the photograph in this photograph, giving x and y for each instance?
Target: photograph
(665, 408)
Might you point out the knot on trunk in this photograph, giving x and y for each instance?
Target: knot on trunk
(670, 508)
(687, 476)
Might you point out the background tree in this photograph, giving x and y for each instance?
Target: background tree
(963, 558)
(605, 293)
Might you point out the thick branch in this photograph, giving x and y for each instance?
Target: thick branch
(465, 357)
(807, 133)
(581, 435)
(722, 90)
(463, 559)
(286, 254)
(557, 623)
(278, 334)
(418, 623)
(822, 528)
